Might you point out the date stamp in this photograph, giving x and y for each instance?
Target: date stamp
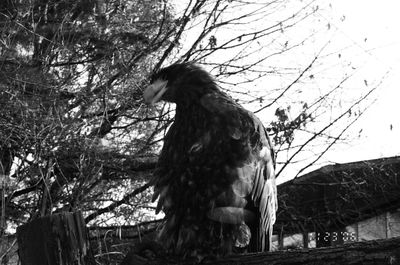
(333, 236)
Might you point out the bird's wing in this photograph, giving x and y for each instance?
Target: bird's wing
(256, 173)
(264, 193)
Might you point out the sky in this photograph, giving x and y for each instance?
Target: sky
(374, 27)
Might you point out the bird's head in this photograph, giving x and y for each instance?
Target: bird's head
(177, 83)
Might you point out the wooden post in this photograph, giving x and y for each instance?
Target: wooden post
(55, 239)
(281, 237)
(305, 239)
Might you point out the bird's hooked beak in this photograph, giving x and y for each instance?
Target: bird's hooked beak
(153, 93)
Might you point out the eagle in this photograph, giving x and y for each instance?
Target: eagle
(215, 176)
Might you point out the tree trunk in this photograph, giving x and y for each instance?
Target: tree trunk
(360, 253)
(55, 239)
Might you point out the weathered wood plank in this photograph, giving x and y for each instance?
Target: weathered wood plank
(56, 239)
(358, 253)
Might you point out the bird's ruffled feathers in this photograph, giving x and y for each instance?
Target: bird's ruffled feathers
(217, 167)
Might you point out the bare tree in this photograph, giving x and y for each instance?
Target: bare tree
(75, 134)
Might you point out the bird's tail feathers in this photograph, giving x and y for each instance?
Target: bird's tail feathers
(268, 207)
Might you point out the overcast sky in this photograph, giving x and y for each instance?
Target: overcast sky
(374, 27)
